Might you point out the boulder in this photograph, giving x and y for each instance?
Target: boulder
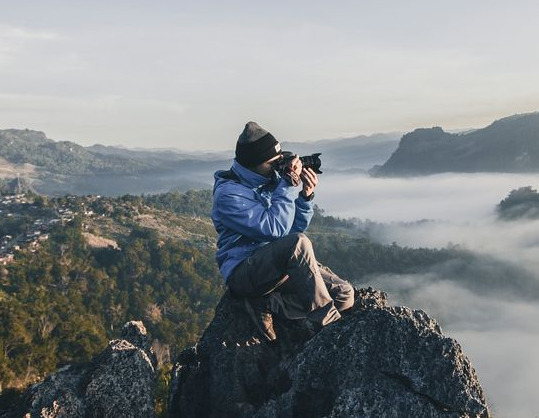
(377, 361)
(119, 382)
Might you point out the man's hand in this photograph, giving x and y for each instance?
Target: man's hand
(295, 165)
(310, 181)
(293, 171)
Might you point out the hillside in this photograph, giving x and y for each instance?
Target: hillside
(34, 148)
(57, 168)
(77, 268)
(507, 145)
(520, 204)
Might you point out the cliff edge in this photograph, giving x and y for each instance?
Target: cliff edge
(508, 145)
(377, 361)
(119, 382)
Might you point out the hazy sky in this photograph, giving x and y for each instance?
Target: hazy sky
(190, 74)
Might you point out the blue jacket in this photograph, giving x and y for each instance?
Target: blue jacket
(250, 210)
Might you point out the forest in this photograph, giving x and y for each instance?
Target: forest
(521, 203)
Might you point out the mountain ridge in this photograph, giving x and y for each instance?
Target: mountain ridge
(61, 167)
(509, 144)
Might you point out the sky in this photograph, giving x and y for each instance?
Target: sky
(189, 75)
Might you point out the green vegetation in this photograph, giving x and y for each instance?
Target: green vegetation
(354, 258)
(62, 302)
(522, 203)
(197, 203)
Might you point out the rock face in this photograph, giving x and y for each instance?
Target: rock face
(119, 382)
(507, 145)
(377, 361)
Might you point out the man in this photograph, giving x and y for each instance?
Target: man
(263, 255)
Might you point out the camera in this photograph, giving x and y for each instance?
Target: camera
(309, 161)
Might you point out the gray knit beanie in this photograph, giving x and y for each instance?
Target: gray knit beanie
(256, 145)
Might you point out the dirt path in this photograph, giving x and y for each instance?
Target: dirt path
(10, 170)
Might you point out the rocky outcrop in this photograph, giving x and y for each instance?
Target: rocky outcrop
(377, 361)
(508, 145)
(119, 382)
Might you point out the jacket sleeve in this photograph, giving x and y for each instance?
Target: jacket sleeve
(304, 214)
(240, 210)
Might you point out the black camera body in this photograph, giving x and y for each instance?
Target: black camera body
(309, 161)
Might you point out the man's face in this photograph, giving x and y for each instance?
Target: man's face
(266, 168)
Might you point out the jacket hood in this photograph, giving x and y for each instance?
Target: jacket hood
(245, 176)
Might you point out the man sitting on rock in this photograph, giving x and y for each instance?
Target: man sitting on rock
(263, 254)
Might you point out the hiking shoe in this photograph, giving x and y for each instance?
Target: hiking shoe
(261, 316)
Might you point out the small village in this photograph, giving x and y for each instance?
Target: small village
(26, 220)
(15, 206)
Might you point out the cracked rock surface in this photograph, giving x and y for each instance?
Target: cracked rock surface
(119, 382)
(377, 361)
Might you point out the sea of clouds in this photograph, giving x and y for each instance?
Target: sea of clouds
(496, 326)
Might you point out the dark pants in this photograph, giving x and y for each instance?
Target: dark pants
(296, 285)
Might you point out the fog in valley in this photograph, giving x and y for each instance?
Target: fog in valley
(490, 303)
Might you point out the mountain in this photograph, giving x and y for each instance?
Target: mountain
(508, 145)
(68, 158)
(58, 168)
(157, 154)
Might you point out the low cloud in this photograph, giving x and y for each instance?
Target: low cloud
(513, 242)
(486, 300)
(460, 209)
(451, 197)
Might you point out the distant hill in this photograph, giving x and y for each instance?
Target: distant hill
(56, 168)
(520, 204)
(158, 155)
(64, 157)
(349, 154)
(507, 145)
